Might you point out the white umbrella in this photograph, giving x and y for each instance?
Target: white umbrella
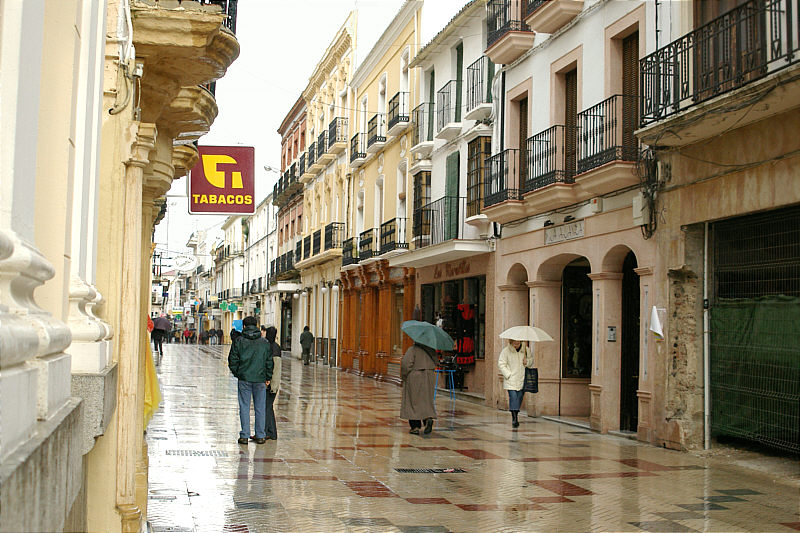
(526, 333)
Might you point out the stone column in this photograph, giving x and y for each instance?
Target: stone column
(545, 302)
(129, 436)
(647, 351)
(604, 389)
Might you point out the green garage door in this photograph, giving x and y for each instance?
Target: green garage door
(755, 320)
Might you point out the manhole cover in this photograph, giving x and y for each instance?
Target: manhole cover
(429, 470)
(198, 453)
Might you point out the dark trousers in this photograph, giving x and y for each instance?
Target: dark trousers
(415, 424)
(158, 340)
(306, 355)
(271, 425)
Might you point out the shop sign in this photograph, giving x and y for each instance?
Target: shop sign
(451, 270)
(223, 181)
(564, 232)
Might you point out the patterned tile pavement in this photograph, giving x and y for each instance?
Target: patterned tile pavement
(340, 443)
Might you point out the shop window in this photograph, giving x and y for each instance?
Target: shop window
(459, 307)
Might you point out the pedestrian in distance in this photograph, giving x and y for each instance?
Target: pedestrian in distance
(512, 362)
(306, 340)
(263, 331)
(161, 328)
(417, 369)
(186, 335)
(250, 360)
(275, 384)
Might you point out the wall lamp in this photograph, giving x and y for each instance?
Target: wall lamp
(549, 222)
(569, 218)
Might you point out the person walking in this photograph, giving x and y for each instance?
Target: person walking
(419, 380)
(512, 362)
(250, 360)
(275, 383)
(306, 340)
(161, 328)
(186, 335)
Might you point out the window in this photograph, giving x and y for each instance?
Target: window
(422, 197)
(478, 153)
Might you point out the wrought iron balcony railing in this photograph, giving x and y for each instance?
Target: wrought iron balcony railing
(743, 45)
(479, 83)
(393, 235)
(448, 104)
(376, 129)
(349, 251)
(533, 5)
(501, 19)
(337, 131)
(439, 221)
(301, 164)
(229, 9)
(422, 120)
(368, 244)
(298, 249)
(358, 146)
(317, 241)
(311, 154)
(398, 109)
(605, 132)
(322, 143)
(333, 235)
(502, 183)
(551, 158)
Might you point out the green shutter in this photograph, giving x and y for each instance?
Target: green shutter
(451, 197)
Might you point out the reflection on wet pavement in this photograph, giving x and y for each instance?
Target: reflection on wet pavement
(343, 461)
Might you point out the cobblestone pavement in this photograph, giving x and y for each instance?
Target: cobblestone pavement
(338, 465)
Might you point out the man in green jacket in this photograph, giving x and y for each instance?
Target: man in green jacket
(250, 360)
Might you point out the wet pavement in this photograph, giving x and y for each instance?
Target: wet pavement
(343, 461)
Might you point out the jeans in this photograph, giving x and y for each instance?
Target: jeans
(259, 393)
(515, 399)
(271, 425)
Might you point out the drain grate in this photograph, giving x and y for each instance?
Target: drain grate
(198, 453)
(430, 470)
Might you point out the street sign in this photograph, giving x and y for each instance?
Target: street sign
(223, 181)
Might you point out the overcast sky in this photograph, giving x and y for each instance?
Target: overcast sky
(281, 43)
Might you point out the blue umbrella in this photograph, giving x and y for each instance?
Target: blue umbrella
(428, 334)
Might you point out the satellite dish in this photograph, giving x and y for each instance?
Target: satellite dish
(185, 263)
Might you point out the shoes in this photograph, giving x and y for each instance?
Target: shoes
(271, 438)
(428, 425)
(252, 437)
(514, 424)
(261, 441)
(414, 431)
(242, 440)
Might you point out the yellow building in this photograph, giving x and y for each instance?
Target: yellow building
(100, 104)
(377, 298)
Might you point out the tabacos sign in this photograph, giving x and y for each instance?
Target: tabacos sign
(223, 181)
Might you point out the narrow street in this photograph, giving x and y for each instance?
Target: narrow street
(336, 466)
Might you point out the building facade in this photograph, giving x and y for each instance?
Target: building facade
(230, 274)
(376, 297)
(82, 152)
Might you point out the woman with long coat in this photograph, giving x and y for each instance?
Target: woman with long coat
(275, 383)
(512, 362)
(419, 380)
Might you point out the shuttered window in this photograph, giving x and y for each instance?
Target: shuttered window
(478, 153)
(451, 197)
(570, 121)
(630, 92)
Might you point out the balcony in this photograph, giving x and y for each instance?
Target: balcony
(305, 173)
(376, 133)
(479, 89)
(323, 155)
(358, 150)
(315, 151)
(549, 169)
(292, 183)
(349, 252)
(337, 136)
(549, 16)
(422, 130)
(398, 113)
(316, 240)
(367, 244)
(393, 235)
(507, 36)
(448, 110)
(501, 193)
(753, 45)
(607, 147)
(298, 249)
(333, 235)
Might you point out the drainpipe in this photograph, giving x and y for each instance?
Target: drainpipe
(706, 349)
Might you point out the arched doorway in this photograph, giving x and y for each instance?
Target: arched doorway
(576, 338)
(629, 345)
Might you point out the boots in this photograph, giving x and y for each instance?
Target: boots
(514, 420)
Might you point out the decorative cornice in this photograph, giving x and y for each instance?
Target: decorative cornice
(141, 147)
(341, 44)
(599, 276)
(504, 288)
(644, 271)
(542, 283)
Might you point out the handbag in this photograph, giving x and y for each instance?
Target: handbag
(531, 380)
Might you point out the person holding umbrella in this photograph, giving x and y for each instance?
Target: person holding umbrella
(161, 327)
(417, 371)
(513, 361)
